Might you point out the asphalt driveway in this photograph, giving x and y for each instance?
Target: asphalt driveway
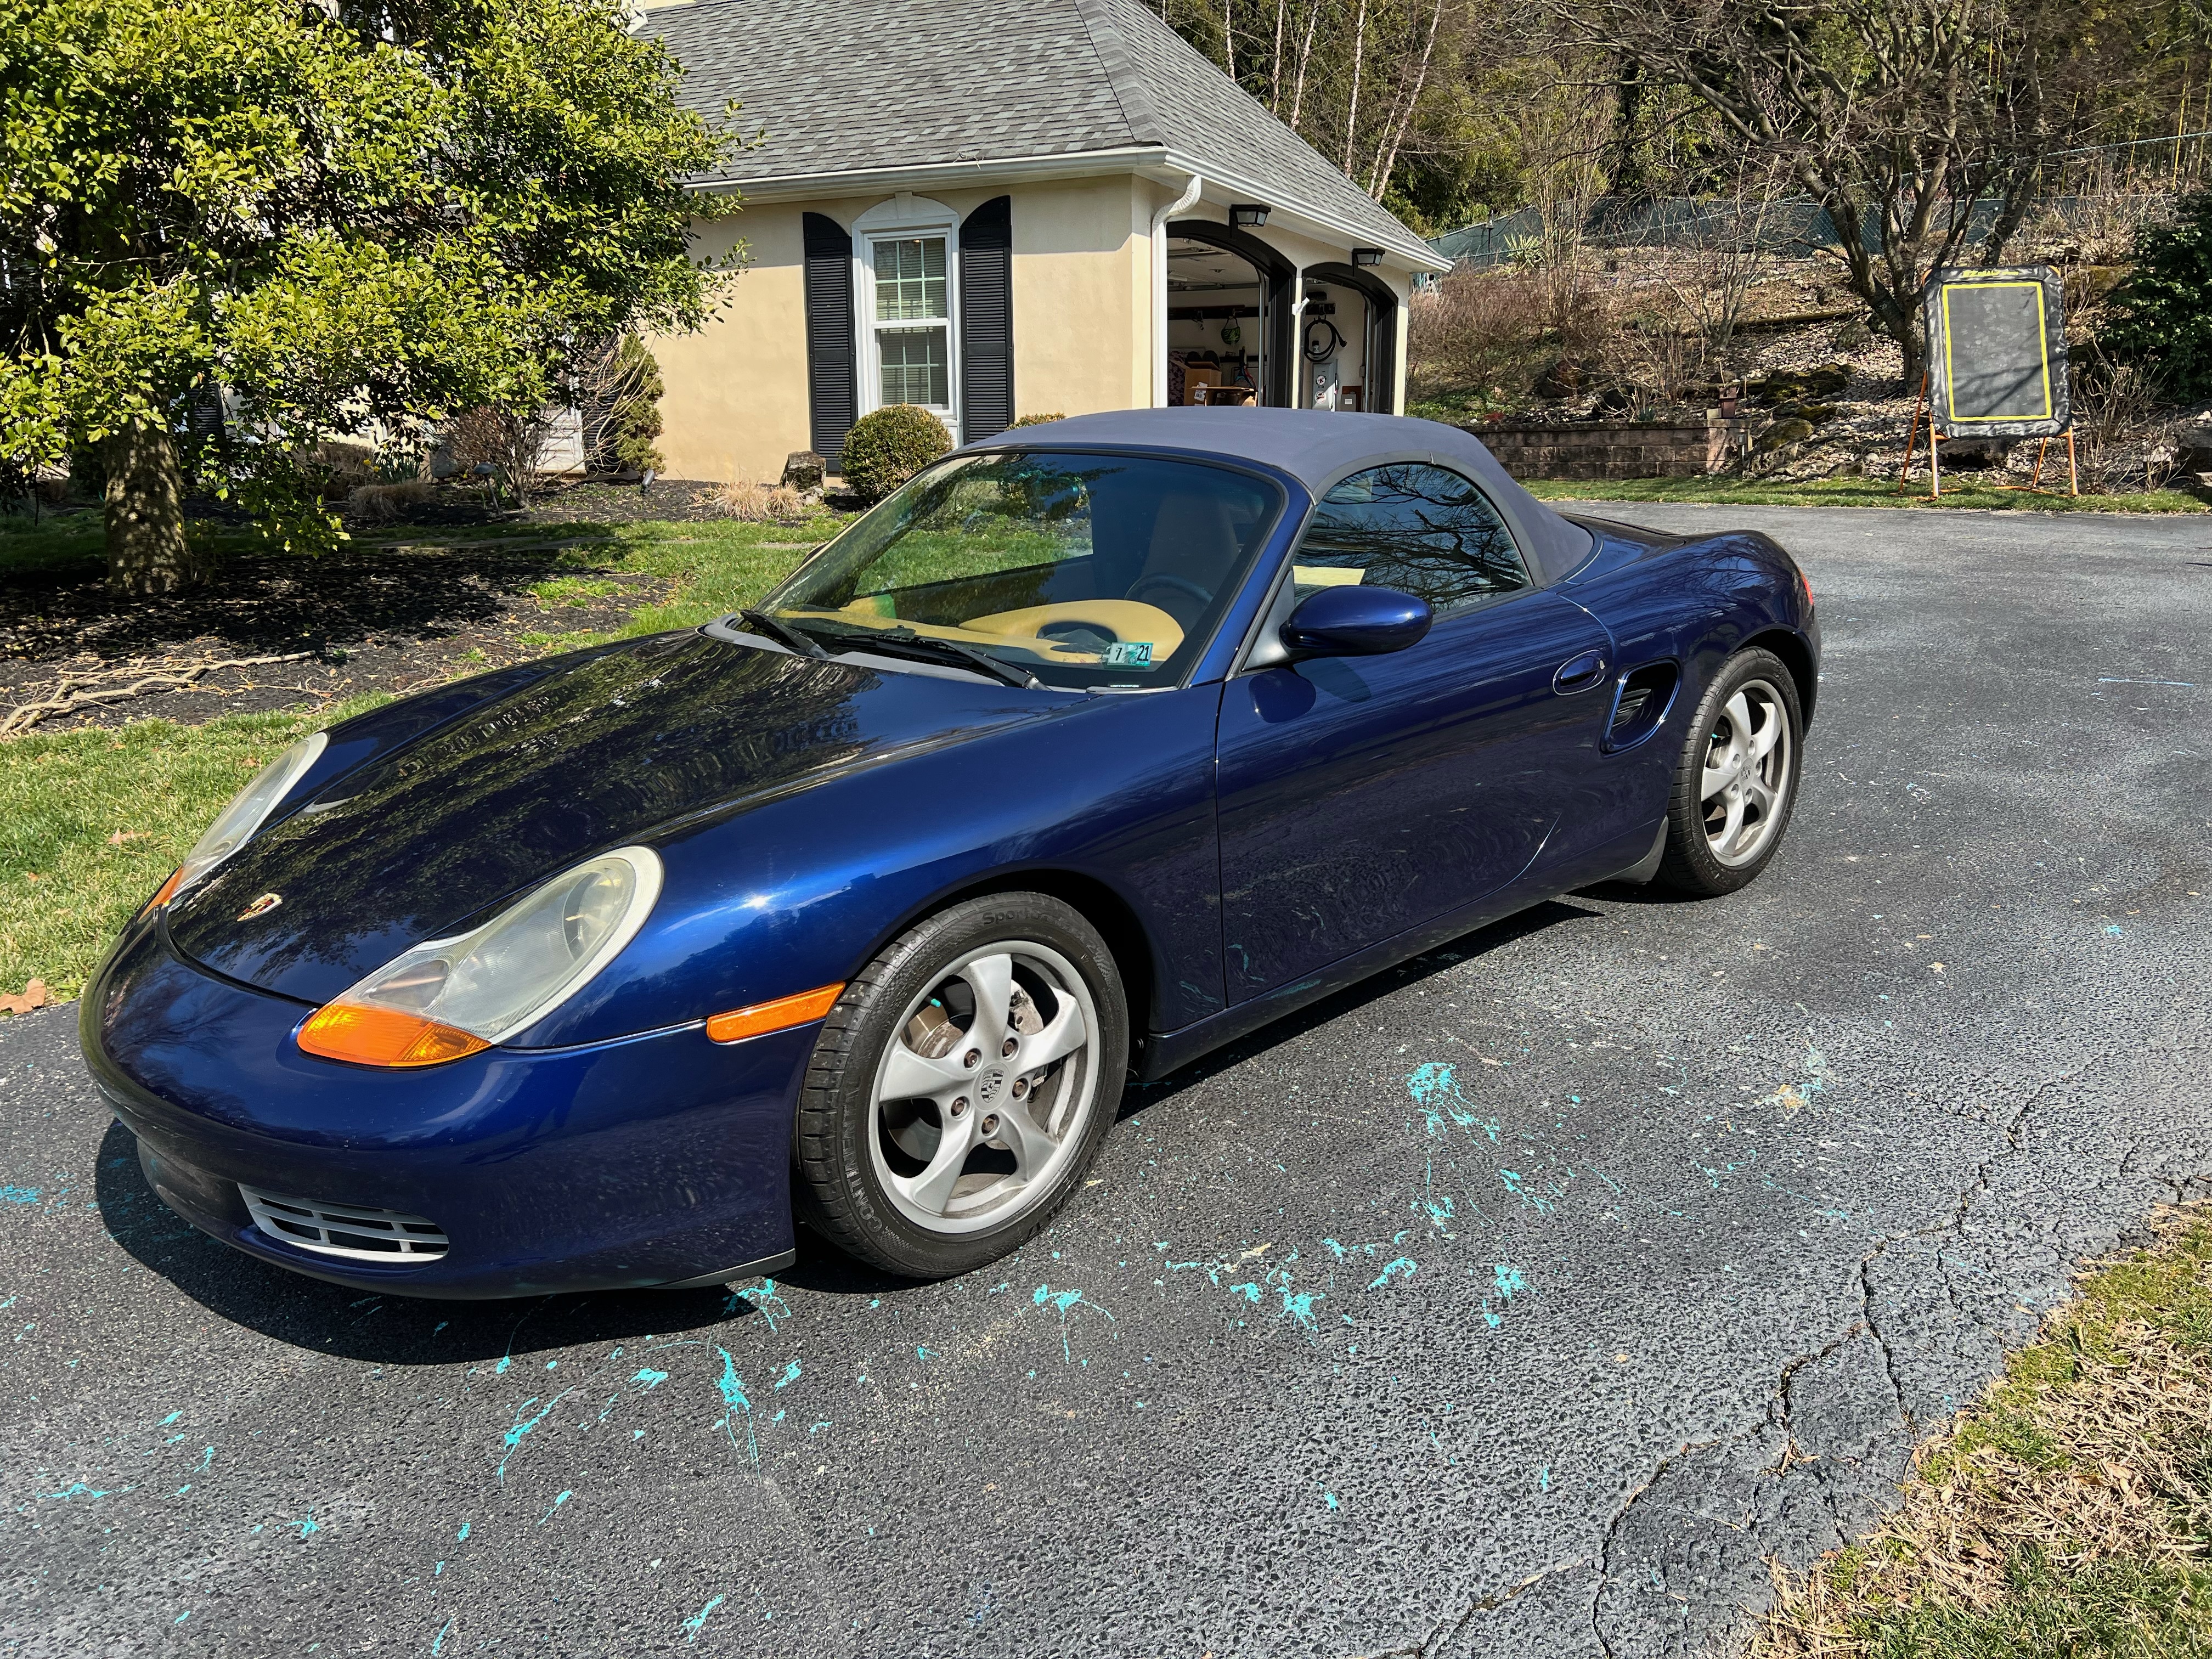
(1520, 1303)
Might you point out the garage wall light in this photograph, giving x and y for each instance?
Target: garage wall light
(1248, 215)
(1367, 256)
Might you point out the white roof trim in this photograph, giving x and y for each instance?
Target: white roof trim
(1405, 250)
(927, 175)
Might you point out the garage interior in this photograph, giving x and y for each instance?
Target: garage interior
(1217, 330)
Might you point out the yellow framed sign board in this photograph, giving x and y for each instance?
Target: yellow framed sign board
(1996, 352)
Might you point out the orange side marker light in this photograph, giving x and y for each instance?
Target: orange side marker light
(169, 891)
(780, 1015)
(363, 1036)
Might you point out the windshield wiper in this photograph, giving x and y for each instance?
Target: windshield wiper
(782, 633)
(904, 641)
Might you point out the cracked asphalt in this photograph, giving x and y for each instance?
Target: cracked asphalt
(1521, 1302)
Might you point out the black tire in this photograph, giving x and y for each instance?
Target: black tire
(838, 1187)
(1692, 864)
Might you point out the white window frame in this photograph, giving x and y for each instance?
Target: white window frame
(901, 219)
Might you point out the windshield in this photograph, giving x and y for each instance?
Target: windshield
(1081, 570)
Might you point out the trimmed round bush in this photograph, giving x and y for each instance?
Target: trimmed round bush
(1038, 420)
(886, 448)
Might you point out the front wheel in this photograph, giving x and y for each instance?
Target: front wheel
(1737, 777)
(961, 1086)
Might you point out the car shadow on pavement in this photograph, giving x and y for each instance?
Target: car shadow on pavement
(382, 1328)
(1144, 1096)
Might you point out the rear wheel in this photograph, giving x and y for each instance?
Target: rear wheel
(961, 1086)
(1737, 777)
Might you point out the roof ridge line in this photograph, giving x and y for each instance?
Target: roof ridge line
(1129, 86)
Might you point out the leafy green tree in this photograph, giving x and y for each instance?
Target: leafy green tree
(229, 228)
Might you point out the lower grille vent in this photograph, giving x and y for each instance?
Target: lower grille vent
(349, 1230)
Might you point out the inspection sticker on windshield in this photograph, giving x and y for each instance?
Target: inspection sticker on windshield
(1129, 653)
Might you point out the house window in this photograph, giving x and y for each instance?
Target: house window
(912, 322)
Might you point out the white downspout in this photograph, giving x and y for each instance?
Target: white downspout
(1160, 287)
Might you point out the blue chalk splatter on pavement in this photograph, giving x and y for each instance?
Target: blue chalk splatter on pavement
(521, 1427)
(1066, 1302)
(733, 1399)
(1404, 1266)
(697, 1622)
(762, 1297)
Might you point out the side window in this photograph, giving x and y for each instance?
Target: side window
(1414, 527)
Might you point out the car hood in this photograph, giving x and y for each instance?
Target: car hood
(429, 839)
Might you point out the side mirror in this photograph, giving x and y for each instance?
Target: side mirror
(1352, 621)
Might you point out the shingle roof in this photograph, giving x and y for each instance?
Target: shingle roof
(848, 86)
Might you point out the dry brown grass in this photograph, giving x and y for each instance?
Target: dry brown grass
(755, 503)
(386, 503)
(2070, 1512)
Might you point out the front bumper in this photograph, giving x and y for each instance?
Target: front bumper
(650, 1160)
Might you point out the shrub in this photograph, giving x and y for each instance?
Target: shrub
(2162, 313)
(1499, 333)
(756, 503)
(1036, 420)
(633, 420)
(886, 448)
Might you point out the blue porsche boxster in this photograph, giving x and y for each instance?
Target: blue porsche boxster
(1096, 747)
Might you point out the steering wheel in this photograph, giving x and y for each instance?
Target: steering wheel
(1161, 579)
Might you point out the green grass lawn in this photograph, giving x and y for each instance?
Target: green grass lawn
(92, 821)
(1852, 492)
(2068, 1513)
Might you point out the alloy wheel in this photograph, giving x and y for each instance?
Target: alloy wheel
(986, 1089)
(1746, 778)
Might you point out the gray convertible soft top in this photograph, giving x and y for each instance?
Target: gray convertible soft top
(1319, 448)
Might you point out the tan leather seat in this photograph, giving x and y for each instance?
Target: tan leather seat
(1196, 539)
(1120, 619)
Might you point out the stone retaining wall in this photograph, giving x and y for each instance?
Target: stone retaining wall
(1614, 449)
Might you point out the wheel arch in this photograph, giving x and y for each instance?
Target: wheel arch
(1115, 918)
(1798, 657)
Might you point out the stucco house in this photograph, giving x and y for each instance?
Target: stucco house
(995, 207)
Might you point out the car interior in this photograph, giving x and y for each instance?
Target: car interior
(1130, 560)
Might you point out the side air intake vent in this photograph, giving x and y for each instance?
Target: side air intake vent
(349, 1230)
(1641, 704)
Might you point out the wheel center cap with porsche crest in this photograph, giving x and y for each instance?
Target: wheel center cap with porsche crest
(990, 1084)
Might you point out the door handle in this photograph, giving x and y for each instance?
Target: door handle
(1583, 673)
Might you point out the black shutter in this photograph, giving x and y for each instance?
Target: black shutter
(832, 376)
(986, 319)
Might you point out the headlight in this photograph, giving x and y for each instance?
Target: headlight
(451, 997)
(236, 824)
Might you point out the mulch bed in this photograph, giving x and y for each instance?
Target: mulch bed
(370, 618)
(395, 610)
(580, 502)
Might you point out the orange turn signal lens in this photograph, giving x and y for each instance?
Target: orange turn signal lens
(169, 891)
(363, 1036)
(780, 1015)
